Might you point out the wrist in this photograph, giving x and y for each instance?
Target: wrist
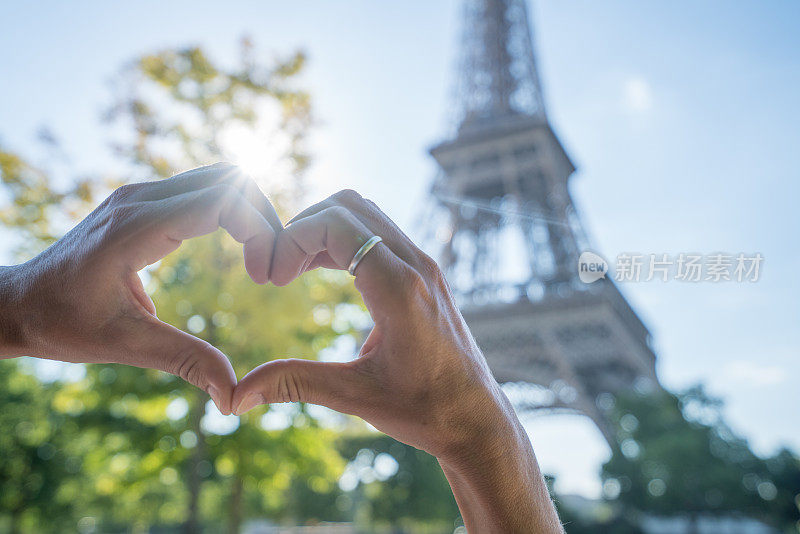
(482, 430)
(496, 479)
(14, 333)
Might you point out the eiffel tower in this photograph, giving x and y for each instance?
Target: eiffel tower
(509, 236)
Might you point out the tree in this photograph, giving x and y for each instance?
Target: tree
(33, 463)
(394, 484)
(675, 456)
(33, 200)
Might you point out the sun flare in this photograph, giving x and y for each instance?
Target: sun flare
(261, 150)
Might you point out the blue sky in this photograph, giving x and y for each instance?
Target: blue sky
(682, 118)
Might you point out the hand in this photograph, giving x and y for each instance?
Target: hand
(419, 377)
(82, 301)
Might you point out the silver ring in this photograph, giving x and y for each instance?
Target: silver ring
(366, 247)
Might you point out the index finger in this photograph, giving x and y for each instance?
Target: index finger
(210, 176)
(170, 221)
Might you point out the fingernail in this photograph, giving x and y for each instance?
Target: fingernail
(250, 401)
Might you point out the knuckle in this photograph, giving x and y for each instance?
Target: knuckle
(348, 196)
(339, 213)
(373, 209)
(123, 193)
(290, 387)
(192, 372)
(415, 284)
(433, 272)
(118, 218)
(220, 165)
(429, 265)
(186, 364)
(121, 213)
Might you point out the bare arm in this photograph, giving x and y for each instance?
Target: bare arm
(12, 336)
(419, 377)
(498, 485)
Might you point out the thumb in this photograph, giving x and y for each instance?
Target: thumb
(335, 385)
(162, 346)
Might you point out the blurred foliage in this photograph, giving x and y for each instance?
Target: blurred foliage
(36, 467)
(32, 202)
(410, 493)
(676, 457)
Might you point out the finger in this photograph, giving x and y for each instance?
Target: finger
(161, 346)
(202, 212)
(210, 176)
(332, 231)
(334, 236)
(335, 385)
(373, 218)
(324, 260)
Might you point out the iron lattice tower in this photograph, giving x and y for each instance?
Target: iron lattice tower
(510, 235)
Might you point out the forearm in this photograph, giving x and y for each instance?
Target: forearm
(12, 333)
(497, 483)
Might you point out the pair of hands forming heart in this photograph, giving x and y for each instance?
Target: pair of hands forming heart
(419, 376)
